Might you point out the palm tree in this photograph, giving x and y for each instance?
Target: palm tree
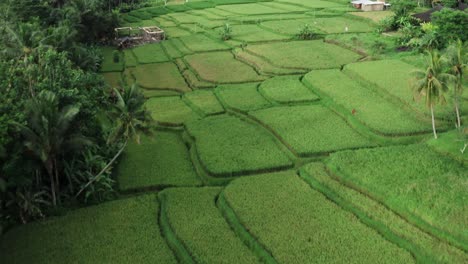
(431, 84)
(131, 119)
(456, 60)
(48, 135)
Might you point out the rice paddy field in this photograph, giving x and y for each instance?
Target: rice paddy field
(270, 149)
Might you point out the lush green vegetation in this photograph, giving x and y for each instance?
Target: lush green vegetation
(308, 228)
(197, 222)
(308, 129)
(118, 231)
(138, 169)
(424, 186)
(235, 151)
(310, 121)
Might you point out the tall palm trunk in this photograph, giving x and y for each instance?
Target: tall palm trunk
(50, 171)
(433, 122)
(457, 110)
(104, 169)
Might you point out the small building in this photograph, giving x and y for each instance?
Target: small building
(367, 5)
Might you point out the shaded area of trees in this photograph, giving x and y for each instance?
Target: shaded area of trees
(59, 128)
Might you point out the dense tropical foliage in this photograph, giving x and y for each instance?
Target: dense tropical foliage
(55, 107)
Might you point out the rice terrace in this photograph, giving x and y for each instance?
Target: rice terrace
(283, 131)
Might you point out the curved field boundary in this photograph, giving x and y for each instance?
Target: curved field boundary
(345, 114)
(442, 126)
(383, 230)
(249, 240)
(394, 99)
(413, 219)
(430, 245)
(262, 66)
(177, 246)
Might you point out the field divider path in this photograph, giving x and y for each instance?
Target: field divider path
(177, 246)
(383, 230)
(410, 218)
(243, 233)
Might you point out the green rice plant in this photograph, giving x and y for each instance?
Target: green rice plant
(195, 219)
(200, 4)
(364, 42)
(393, 77)
(244, 97)
(316, 4)
(259, 19)
(342, 24)
(221, 67)
(178, 8)
(307, 55)
(141, 14)
(453, 143)
(130, 19)
(159, 76)
(130, 59)
(164, 21)
(171, 49)
(119, 231)
(263, 66)
(286, 89)
(307, 227)
(205, 101)
(108, 63)
(150, 53)
(113, 79)
(175, 32)
(426, 188)
(286, 7)
(252, 33)
(232, 2)
(228, 146)
(160, 160)
(425, 248)
(156, 11)
(365, 104)
(251, 9)
(201, 43)
(148, 93)
(310, 130)
(193, 80)
(170, 110)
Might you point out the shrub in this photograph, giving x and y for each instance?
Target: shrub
(306, 32)
(226, 32)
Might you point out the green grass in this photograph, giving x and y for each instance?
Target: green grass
(244, 97)
(197, 222)
(175, 32)
(205, 101)
(108, 64)
(299, 225)
(113, 79)
(159, 76)
(286, 89)
(426, 248)
(313, 4)
(311, 129)
(375, 16)
(253, 33)
(451, 144)
(130, 59)
(160, 160)
(229, 146)
(221, 67)
(418, 183)
(394, 78)
(328, 25)
(369, 43)
(170, 110)
(150, 53)
(370, 108)
(250, 9)
(201, 43)
(307, 55)
(121, 231)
